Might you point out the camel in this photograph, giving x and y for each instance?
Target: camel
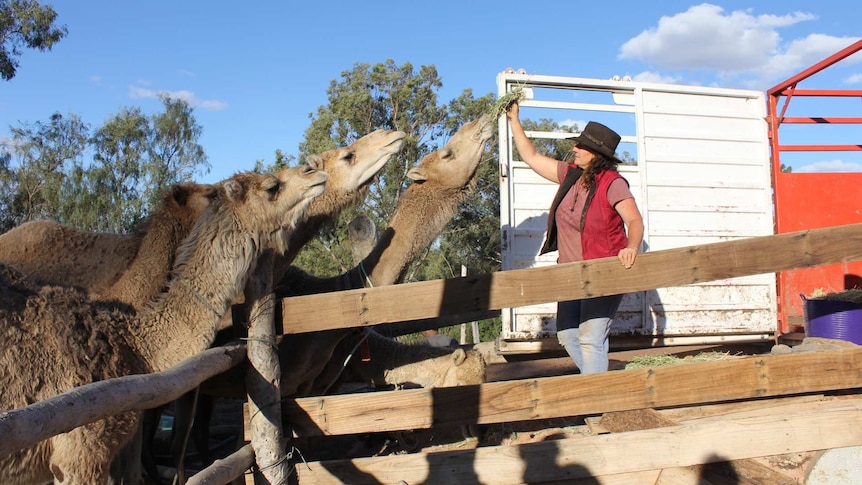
(351, 170)
(55, 338)
(56, 254)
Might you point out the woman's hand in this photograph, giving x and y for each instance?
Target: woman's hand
(627, 256)
(513, 110)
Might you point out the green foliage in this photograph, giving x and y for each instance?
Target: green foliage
(37, 161)
(25, 24)
(135, 158)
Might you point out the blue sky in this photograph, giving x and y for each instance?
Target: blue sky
(255, 71)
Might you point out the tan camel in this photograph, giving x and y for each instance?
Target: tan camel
(54, 338)
(351, 170)
(52, 253)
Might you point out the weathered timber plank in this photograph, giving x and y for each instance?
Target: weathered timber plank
(727, 410)
(515, 288)
(578, 395)
(745, 470)
(670, 447)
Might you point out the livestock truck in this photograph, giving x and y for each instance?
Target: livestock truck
(704, 165)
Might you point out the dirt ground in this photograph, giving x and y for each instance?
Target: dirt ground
(227, 423)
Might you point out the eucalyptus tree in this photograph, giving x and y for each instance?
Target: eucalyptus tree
(37, 159)
(107, 180)
(25, 24)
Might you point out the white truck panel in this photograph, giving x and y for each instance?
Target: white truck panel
(702, 175)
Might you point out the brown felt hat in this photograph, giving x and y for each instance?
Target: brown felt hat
(599, 139)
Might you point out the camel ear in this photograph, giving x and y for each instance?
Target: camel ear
(180, 194)
(459, 356)
(417, 174)
(233, 189)
(314, 161)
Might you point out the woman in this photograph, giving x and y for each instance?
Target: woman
(588, 219)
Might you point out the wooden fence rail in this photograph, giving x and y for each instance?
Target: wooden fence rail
(515, 288)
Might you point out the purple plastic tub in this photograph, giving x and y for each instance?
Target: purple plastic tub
(841, 320)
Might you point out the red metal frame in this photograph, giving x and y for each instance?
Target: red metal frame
(812, 200)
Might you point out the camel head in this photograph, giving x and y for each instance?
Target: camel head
(190, 200)
(454, 165)
(467, 367)
(351, 169)
(183, 205)
(266, 206)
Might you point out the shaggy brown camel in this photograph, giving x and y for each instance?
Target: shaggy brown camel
(351, 170)
(54, 338)
(55, 254)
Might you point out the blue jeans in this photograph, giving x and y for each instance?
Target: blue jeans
(583, 327)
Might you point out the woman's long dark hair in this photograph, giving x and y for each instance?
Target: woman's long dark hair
(600, 164)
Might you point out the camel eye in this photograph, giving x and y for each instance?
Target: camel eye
(349, 156)
(273, 189)
(447, 153)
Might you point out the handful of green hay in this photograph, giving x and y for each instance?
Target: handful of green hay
(665, 360)
(503, 102)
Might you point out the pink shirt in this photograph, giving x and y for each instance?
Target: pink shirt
(569, 214)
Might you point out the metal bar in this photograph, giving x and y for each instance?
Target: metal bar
(846, 52)
(821, 92)
(820, 148)
(818, 120)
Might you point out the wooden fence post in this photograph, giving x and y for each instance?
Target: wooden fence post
(263, 378)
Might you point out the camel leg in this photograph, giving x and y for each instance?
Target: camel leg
(126, 466)
(184, 410)
(201, 427)
(149, 426)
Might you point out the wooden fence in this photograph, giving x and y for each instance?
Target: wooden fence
(493, 402)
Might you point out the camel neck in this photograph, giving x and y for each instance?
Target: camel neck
(184, 321)
(422, 213)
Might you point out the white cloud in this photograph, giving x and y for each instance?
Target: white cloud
(573, 123)
(137, 92)
(853, 79)
(96, 79)
(655, 77)
(829, 166)
(735, 44)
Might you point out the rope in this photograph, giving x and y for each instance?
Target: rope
(364, 274)
(260, 340)
(200, 298)
(346, 361)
